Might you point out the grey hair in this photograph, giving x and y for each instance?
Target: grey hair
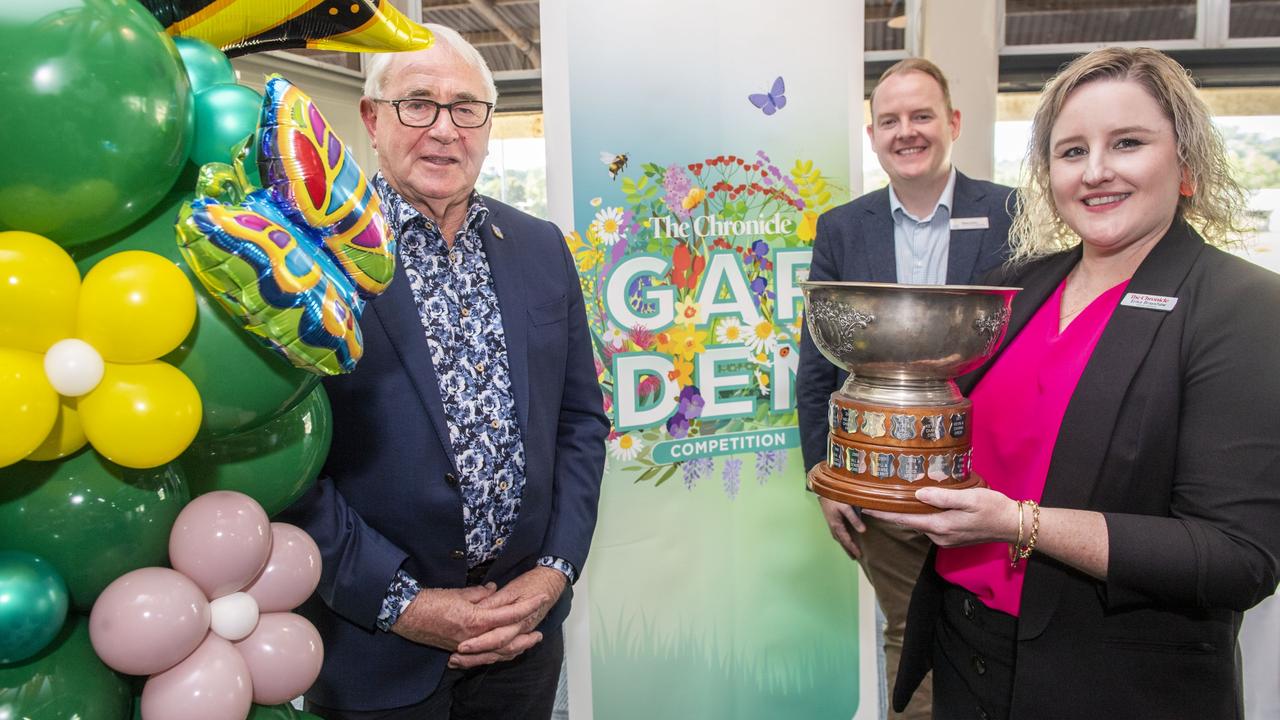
(376, 64)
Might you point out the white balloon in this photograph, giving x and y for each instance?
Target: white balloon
(233, 617)
(73, 367)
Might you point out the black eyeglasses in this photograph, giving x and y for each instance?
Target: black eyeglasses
(420, 112)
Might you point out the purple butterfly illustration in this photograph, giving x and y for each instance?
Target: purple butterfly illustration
(772, 101)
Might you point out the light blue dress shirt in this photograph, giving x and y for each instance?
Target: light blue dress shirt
(920, 244)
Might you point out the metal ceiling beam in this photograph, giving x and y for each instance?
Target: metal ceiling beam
(489, 11)
(483, 38)
(465, 5)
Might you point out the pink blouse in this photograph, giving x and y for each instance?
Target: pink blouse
(1017, 412)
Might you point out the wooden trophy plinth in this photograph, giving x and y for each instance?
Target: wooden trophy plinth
(878, 455)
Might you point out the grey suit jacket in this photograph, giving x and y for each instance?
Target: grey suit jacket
(855, 243)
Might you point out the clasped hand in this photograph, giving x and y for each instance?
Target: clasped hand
(970, 516)
(481, 625)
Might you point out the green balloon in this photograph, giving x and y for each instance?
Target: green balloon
(225, 115)
(242, 384)
(273, 464)
(33, 605)
(65, 682)
(92, 519)
(279, 712)
(97, 113)
(206, 65)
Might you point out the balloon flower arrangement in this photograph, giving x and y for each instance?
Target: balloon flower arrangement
(181, 259)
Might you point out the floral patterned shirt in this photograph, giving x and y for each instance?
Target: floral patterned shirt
(458, 306)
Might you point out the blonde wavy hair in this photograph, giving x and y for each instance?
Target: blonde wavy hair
(1215, 209)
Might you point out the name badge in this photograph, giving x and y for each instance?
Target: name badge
(973, 223)
(1149, 302)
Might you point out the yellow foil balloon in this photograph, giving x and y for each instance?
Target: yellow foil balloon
(39, 285)
(135, 306)
(28, 404)
(141, 415)
(66, 437)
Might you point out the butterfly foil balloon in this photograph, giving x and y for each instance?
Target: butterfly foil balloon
(772, 101)
(239, 27)
(292, 261)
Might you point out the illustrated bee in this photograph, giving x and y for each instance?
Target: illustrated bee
(616, 163)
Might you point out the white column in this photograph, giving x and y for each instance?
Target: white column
(962, 38)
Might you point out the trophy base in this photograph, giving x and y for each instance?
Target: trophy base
(876, 494)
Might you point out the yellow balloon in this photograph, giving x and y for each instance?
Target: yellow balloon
(135, 306)
(28, 404)
(66, 437)
(141, 415)
(39, 285)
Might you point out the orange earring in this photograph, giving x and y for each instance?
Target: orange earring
(1186, 189)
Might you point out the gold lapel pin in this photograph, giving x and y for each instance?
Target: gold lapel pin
(497, 232)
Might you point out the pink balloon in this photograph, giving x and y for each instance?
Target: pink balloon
(148, 620)
(292, 571)
(221, 540)
(212, 684)
(284, 655)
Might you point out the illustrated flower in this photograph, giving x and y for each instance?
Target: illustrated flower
(642, 337)
(689, 312)
(649, 384)
(686, 267)
(694, 470)
(678, 426)
(762, 381)
(682, 341)
(626, 446)
(682, 373)
(729, 332)
(693, 199)
(608, 403)
(759, 285)
(691, 402)
(762, 337)
(808, 229)
(677, 184)
(608, 225)
(595, 202)
(769, 462)
(587, 256)
(614, 336)
(79, 361)
(731, 475)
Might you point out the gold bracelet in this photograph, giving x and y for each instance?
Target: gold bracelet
(1020, 551)
(1017, 544)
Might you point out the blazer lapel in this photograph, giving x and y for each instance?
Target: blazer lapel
(503, 252)
(882, 260)
(1037, 288)
(962, 253)
(1090, 419)
(397, 312)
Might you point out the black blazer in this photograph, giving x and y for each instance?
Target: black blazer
(1173, 433)
(854, 242)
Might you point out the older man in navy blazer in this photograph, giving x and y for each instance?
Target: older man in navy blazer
(932, 225)
(459, 498)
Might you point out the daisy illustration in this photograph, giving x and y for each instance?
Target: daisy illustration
(762, 337)
(626, 446)
(614, 336)
(608, 224)
(730, 332)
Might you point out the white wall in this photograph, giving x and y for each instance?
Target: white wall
(962, 39)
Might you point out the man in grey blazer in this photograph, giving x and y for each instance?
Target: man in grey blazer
(932, 225)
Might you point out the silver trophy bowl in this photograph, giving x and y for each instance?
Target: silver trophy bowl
(902, 345)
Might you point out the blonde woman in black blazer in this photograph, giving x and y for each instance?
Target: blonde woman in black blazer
(1159, 523)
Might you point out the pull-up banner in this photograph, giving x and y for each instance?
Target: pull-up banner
(692, 147)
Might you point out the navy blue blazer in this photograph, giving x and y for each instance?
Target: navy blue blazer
(388, 496)
(855, 243)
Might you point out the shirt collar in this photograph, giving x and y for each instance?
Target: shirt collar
(944, 200)
(400, 213)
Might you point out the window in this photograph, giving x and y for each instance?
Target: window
(515, 171)
(1069, 22)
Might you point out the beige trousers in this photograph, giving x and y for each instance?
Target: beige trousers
(892, 557)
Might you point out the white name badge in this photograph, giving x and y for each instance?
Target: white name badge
(973, 223)
(1149, 302)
